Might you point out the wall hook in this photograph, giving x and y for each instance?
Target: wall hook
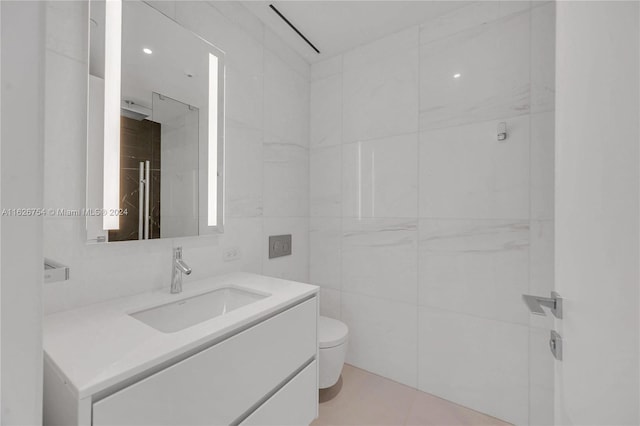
(502, 131)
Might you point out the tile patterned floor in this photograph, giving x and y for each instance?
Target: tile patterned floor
(362, 398)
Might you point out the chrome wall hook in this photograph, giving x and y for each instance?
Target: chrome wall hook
(502, 131)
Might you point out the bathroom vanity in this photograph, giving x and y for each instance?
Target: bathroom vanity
(236, 349)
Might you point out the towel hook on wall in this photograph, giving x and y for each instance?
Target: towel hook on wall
(502, 131)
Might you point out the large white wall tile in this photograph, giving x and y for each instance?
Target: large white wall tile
(325, 240)
(477, 267)
(477, 13)
(542, 268)
(243, 171)
(471, 15)
(325, 190)
(326, 68)
(296, 266)
(542, 257)
(382, 336)
(282, 50)
(493, 63)
(479, 363)
(205, 254)
(371, 55)
(508, 7)
(286, 179)
(380, 177)
(286, 102)
(106, 271)
(542, 165)
(449, 24)
(543, 57)
(330, 302)
(243, 51)
(64, 168)
(237, 13)
(326, 112)
(380, 88)
(244, 93)
(465, 172)
(379, 258)
(62, 232)
(61, 237)
(65, 21)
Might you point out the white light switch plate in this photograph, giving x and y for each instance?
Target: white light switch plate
(231, 253)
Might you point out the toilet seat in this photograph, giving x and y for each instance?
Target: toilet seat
(331, 332)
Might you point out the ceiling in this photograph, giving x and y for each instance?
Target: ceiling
(335, 27)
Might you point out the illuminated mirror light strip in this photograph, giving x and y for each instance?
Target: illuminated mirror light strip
(111, 173)
(212, 210)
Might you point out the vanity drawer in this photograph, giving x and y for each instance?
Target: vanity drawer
(219, 384)
(293, 405)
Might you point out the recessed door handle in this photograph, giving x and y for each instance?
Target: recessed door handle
(535, 304)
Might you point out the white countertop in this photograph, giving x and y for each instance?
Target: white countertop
(99, 345)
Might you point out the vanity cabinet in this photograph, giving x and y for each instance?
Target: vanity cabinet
(290, 406)
(264, 374)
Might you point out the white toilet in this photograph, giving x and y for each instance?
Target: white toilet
(332, 339)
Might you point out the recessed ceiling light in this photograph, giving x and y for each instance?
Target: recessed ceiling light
(147, 51)
(457, 75)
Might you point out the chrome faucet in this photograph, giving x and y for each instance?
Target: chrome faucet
(177, 269)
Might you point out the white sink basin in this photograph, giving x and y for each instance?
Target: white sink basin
(187, 312)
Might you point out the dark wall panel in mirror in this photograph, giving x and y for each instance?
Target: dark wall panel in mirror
(139, 142)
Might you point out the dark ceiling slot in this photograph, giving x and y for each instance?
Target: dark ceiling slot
(293, 27)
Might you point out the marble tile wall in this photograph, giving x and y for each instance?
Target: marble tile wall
(424, 228)
(267, 159)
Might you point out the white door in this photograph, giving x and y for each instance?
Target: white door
(597, 214)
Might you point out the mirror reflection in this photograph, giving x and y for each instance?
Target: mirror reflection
(155, 126)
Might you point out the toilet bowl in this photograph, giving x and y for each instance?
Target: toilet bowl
(332, 340)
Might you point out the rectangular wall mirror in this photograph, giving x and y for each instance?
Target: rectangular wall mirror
(155, 146)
